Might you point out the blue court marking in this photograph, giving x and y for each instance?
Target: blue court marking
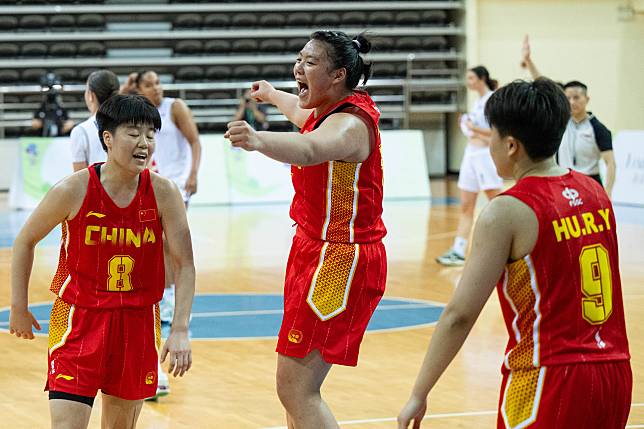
(258, 316)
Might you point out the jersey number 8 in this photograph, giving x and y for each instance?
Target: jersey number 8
(120, 267)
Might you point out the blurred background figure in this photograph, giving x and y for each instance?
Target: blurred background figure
(86, 146)
(51, 119)
(252, 112)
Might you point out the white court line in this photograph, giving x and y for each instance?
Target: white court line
(263, 312)
(436, 416)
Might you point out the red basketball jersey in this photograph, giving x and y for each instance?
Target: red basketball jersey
(562, 303)
(342, 201)
(110, 256)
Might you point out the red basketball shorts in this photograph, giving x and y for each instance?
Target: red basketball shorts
(330, 293)
(114, 350)
(580, 396)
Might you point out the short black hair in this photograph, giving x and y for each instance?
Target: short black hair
(344, 52)
(576, 84)
(535, 113)
(126, 109)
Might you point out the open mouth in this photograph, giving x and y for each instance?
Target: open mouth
(141, 156)
(302, 89)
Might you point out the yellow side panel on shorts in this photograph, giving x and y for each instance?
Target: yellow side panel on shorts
(521, 398)
(332, 280)
(59, 326)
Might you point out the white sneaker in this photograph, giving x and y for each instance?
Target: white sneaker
(451, 259)
(163, 386)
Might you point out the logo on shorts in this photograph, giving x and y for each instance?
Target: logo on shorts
(64, 377)
(573, 196)
(150, 377)
(295, 336)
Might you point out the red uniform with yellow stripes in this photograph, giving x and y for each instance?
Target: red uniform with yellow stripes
(104, 330)
(567, 360)
(337, 267)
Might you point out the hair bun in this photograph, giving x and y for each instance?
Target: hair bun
(362, 43)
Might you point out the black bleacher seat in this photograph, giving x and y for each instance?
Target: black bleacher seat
(401, 70)
(219, 95)
(383, 70)
(327, 19)
(407, 17)
(383, 44)
(408, 43)
(34, 49)
(187, 20)
(31, 76)
(62, 23)
(244, 45)
(9, 98)
(272, 20)
(62, 50)
(188, 47)
(33, 22)
(244, 20)
(91, 49)
(246, 71)
(189, 74)
(433, 17)
(194, 95)
(272, 45)
(299, 19)
(84, 73)
(9, 76)
(434, 43)
(358, 18)
(9, 50)
(32, 98)
(67, 75)
(296, 44)
(8, 23)
(216, 20)
(218, 72)
(91, 20)
(381, 17)
(276, 70)
(217, 46)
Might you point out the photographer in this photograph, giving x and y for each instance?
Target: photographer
(51, 118)
(251, 112)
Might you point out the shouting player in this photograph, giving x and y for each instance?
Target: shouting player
(337, 268)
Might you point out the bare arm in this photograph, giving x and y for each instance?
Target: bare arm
(177, 232)
(609, 158)
(526, 59)
(186, 124)
(286, 103)
(491, 248)
(341, 136)
(55, 207)
(77, 166)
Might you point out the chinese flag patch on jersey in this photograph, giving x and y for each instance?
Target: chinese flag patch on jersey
(147, 215)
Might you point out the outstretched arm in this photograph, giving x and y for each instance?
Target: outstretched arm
(341, 136)
(287, 103)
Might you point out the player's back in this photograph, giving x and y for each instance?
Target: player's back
(562, 303)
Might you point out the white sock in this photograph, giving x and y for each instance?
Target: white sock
(460, 246)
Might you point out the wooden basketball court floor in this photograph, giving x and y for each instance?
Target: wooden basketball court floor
(244, 250)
